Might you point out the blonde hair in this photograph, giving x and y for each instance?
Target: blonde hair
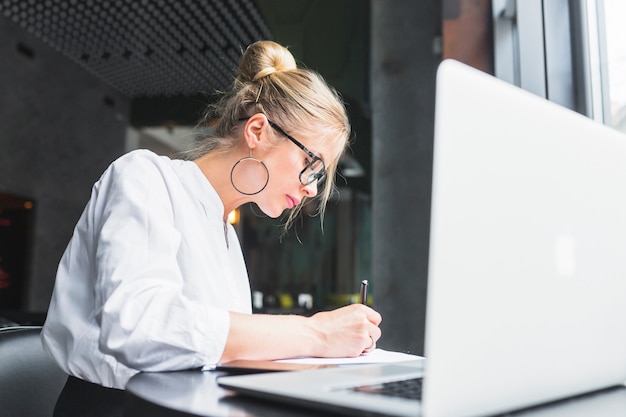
(297, 99)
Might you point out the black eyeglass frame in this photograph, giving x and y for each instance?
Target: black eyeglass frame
(316, 176)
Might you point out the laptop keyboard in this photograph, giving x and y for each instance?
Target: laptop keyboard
(407, 388)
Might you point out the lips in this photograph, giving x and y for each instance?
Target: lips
(292, 202)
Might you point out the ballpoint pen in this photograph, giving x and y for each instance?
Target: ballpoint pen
(364, 291)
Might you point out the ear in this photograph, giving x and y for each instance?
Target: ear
(255, 126)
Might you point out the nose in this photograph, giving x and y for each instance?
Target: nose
(311, 189)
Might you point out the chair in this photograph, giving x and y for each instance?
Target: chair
(30, 381)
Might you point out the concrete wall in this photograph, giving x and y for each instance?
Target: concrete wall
(403, 66)
(60, 127)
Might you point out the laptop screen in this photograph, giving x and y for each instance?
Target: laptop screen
(527, 273)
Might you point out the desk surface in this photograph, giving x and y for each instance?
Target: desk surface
(195, 393)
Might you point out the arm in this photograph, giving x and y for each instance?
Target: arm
(345, 332)
(148, 318)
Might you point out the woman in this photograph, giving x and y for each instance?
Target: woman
(153, 278)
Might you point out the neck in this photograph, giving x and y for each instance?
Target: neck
(216, 169)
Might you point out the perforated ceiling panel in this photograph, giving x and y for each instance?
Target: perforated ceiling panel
(146, 48)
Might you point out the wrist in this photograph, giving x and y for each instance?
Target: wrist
(316, 335)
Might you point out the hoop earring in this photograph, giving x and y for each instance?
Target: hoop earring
(250, 159)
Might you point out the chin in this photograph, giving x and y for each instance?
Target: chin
(272, 212)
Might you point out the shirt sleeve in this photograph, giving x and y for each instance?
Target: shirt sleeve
(146, 321)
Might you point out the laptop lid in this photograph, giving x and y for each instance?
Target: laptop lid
(527, 269)
(527, 279)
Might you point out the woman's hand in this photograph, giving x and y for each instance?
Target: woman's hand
(347, 331)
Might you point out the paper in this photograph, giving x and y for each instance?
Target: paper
(376, 356)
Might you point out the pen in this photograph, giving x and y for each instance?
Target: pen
(364, 291)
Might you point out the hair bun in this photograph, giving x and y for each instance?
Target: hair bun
(264, 58)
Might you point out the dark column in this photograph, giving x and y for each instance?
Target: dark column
(404, 59)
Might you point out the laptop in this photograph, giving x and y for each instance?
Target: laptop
(527, 270)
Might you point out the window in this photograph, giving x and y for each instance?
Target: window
(570, 52)
(612, 28)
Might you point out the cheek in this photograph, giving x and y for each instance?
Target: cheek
(286, 170)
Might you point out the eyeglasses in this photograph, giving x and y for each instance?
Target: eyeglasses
(315, 169)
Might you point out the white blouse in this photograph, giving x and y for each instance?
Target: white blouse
(149, 276)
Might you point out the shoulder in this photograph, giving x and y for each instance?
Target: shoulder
(141, 159)
(140, 171)
(140, 166)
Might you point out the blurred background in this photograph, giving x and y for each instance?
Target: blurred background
(84, 81)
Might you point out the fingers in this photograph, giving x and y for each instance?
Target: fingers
(347, 331)
(371, 347)
(373, 320)
(372, 315)
(371, 332)
(373, 335)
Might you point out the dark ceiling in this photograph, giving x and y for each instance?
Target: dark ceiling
(168, 56)
(157, 49)
(146, 48)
